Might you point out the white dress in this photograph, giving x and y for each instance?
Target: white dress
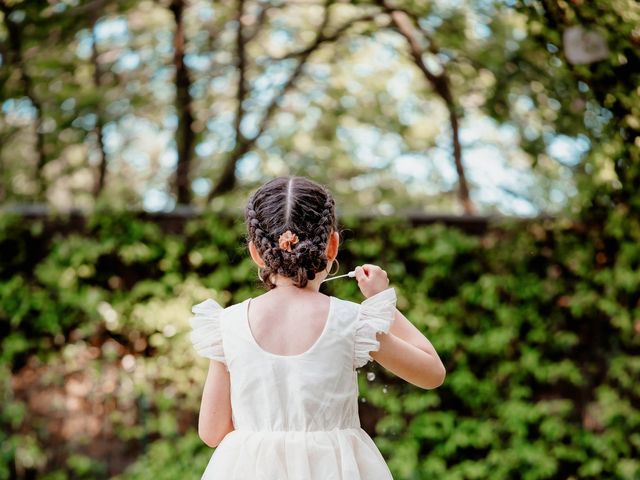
(295, 417)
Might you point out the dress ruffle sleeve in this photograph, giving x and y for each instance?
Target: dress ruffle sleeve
(206, 335)
(375, 314)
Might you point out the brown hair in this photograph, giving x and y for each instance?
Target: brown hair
(302, 206)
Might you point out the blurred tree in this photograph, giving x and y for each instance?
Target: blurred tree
(15, 59)
(398, 105)
(405, 23)
(245, 143)
(185, 136)
(55, 104)
(99, 129)
(611, 111)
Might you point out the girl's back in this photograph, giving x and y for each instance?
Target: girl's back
(295, 416)
(287, 322)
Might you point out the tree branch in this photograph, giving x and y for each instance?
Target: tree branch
(262, 17)
(227, 179)
(330, 38)
(320, 39)
(406, 25)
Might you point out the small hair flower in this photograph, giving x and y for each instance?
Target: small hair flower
(287, 239)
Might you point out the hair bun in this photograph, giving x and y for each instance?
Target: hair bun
(310, 258)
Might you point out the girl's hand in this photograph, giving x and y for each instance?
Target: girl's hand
(371, 279)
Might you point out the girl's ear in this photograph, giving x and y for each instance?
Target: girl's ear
(255, 256)
(332, 245)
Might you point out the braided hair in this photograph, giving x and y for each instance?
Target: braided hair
(302, 206)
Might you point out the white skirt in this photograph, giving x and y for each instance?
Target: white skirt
(339, 454)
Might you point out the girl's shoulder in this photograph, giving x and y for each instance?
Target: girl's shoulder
(206, 335)
(382, 302)
(373, 310)
(209, 322)
(211, 314)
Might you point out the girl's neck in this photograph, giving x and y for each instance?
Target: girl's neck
(286, 284)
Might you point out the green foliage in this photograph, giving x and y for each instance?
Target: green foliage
(537, 324)
(601, 96)
(185, 457)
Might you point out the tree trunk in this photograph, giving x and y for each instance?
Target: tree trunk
(185, 137)
(441, 85)
(16, 59)
(97, 82)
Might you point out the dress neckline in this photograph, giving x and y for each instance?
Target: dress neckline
(307, 351)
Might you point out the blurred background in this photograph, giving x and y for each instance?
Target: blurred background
(486, 153)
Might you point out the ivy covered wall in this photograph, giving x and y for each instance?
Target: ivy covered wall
(538, 324)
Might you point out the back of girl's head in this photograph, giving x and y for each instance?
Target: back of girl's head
(302, 206)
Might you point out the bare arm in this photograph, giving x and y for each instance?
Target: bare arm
(407, 331)
(215, 420)
(406, 352)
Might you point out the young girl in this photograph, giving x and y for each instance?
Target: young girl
(281, 397)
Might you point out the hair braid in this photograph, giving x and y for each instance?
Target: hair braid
(261, 239)
(311, 254)
(326, 222)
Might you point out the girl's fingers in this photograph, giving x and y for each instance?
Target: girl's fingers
(360, 274)
(369, 273)
(374, 270)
